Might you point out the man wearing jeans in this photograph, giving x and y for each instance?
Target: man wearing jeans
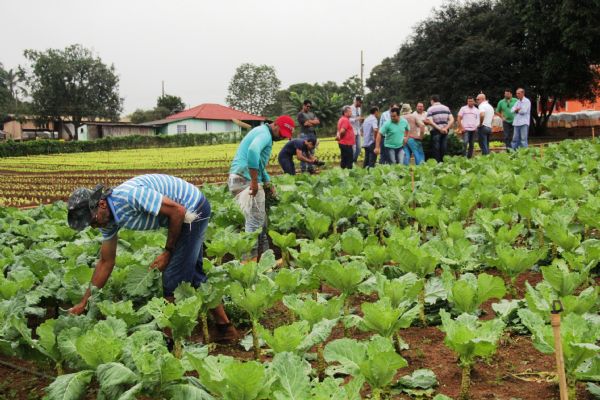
(307, 122)
(356, 119)
(468, 121)
(503, 110)
(522, 111)
(248, 172)
(370, 132)
(149, 202)
(385, 117)
(441, 120)
(417, 129)
(486, 112)
(395, 133)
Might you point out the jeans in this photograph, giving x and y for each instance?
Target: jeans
(395, 155)
(347, 154)
(304, 166)
(356, 148)
(383, 157)
(483, 134)
(439, 143)
(508, 131)
(370, 156)
(469, 141)
(185, 264)
(414, 147)
(256, 215)
(287, 164)
(520, 136)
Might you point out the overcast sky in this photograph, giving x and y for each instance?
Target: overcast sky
(195, 46)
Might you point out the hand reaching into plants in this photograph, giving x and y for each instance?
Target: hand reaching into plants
(78, 309)
(161, 261)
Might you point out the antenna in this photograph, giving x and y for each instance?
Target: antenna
(362, 71)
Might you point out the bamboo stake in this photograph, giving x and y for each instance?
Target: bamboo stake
(542, 150)
(558, 351)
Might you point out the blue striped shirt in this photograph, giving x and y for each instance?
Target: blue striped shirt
(439, 114)
(135, 204)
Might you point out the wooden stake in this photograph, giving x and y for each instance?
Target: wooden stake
(593, 132)
(542, 150)
(412, 178)
(558, 350)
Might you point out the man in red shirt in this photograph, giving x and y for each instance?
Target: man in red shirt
(345, 138)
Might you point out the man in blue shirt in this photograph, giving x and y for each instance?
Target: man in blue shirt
(149, 202)
(248, 177)
(522, 112)
(301, 148)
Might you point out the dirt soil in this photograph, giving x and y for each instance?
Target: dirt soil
(511, 374)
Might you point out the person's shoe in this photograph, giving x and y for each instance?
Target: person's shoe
(226, 334)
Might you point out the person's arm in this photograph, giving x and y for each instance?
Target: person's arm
(302, 120)
(254, 154)
(526, 106)
(302, 157)
(104, 267)
(481, 117)
(459, 124)
(433, 124)
(499, 112)
(450, 123)
(377, 148)
(175, 212)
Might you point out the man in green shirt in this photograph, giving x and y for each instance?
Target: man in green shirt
(395, 132)
(503, 110)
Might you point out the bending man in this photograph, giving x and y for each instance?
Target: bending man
(301, 148)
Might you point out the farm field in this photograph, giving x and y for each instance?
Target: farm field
(27, 181)
(428, 282)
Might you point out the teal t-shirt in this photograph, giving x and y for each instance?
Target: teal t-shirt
(504, 107)
(394, 133)
(254, 152)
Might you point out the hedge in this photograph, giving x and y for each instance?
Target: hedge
(11, 148)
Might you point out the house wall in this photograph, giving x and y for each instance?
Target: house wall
(201, 126)
(92, 132)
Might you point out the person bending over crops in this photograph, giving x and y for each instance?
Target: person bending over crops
(248, 177)
(143, 203)
(302, 149)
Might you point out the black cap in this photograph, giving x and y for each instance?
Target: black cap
(81, 203)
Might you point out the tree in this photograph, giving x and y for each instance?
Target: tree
(253, 88)
(172, 103)
(72, 84)
(140, 116)
(384, 83)
(466, 48)
(5, 99)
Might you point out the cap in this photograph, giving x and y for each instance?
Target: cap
(80, 205)
(286, 126)
(405, 109)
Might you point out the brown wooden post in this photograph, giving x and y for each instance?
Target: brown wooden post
(558, 350)
(542, 150)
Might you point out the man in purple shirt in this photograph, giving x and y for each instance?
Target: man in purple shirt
(468, 121)
(522, 111)
(441, 120)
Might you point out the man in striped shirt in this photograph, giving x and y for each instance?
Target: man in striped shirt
(143, 203)
(441, 120)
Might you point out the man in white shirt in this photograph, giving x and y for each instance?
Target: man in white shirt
(522, 111)
(356, 121)
(486, 113)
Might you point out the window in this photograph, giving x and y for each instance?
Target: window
(181, 129)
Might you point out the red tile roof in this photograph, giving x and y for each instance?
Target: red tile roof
(215, 111)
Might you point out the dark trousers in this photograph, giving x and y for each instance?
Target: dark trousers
(383, 157)
(508, 131)
(347, 154)
(439, 143)
(370, 156)
(469, 141)
(483, 135)
(287, 164)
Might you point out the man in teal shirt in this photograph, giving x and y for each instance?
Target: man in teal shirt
(248, 177)
(503, 110)
(395, 131)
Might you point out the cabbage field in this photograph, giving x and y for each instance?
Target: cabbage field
(427, 282)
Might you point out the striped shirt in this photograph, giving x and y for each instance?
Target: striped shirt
(135, 204)
(439, 114)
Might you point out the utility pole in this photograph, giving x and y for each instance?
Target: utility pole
(362, 72)
(163, 88)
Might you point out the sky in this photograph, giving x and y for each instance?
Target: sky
(195, 46)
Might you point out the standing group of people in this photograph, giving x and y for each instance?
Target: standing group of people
(396, 135)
